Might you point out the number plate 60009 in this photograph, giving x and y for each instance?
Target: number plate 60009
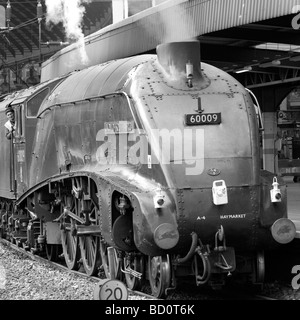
(202, 118)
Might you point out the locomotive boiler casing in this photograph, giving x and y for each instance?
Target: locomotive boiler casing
(74, 124)
(124, 124)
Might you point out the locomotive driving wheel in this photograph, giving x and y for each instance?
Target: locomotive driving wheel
(110, 262)
(159, 270)
(89, 247)
(104, 258)
(89, 244)
(52, 251)
(260, 267)
(134, 278)
(70, 248)
(69, 239)
(257, 276)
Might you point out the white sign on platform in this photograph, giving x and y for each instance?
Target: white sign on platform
(110, 290)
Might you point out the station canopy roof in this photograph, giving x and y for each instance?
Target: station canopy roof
(259, 53)
(256, 41)
(23, 38)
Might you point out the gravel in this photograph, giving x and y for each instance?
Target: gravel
(280, 291)
(22, 278)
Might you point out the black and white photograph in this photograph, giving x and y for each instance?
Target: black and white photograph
(150, 153)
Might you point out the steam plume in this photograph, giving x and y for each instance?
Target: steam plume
(70, 13)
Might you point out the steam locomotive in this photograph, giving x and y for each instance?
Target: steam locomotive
(147, 168)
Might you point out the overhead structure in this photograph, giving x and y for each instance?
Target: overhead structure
(20, 39)
(234, 34)
(26, 40)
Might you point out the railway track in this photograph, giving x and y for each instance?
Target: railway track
(100, 281)
(229, 294)
(226, 293)
(194, 293)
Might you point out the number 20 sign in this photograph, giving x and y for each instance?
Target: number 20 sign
(110, 290)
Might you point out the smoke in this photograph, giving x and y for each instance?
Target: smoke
(70, 13)
(177, 25)
(175, 21)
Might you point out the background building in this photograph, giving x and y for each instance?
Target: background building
(27, 39)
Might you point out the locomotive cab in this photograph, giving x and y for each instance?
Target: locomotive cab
(16, 154)
(26, 106)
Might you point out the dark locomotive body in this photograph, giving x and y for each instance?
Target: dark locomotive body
(150, 164)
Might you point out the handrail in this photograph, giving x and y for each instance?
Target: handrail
(258, 109)
(12, 166)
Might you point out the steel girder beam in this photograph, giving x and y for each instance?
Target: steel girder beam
(5, 43)
(277, 77)
(11, 38)
(248, 33)
(238, 55)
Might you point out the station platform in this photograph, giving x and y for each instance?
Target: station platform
(293, 196)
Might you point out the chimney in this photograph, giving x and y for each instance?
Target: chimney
(181, 61)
